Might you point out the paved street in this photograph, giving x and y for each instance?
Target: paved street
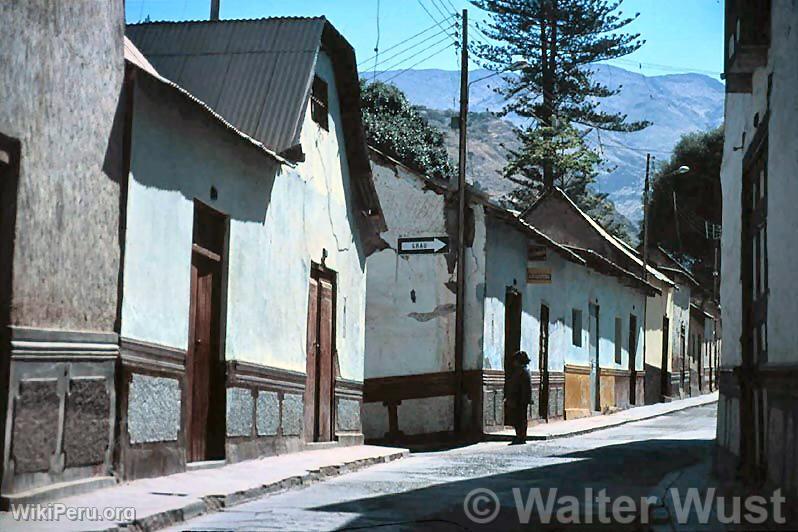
(427, 490)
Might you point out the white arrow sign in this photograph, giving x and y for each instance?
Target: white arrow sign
(426, 244)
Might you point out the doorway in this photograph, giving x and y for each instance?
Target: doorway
(512, 336)
(664, 384)
(319, 386)
(632, 359)
(593, 331)
(205, 363)
(543, 363)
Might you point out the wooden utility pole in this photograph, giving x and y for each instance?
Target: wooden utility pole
(645, 260)
(645, 218)
(459, 333)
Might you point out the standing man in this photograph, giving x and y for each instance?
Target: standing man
(519, 395)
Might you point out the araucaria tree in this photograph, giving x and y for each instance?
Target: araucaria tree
(558, 40)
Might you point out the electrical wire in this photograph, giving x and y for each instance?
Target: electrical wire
(400, 63)
(377, 45)
(367, 60)
(419, 62)
(429, 14)
(405, 50)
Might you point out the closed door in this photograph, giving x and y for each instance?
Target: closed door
(512, 334)
(632, 358)
(543, 362)
(593, 330)
(320, 357)
(664, 384)
(205, 431)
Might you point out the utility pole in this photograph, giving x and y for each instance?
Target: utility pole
(645, 259)
(459, 333)
(645, 218)
(214, 10)
(676, 220)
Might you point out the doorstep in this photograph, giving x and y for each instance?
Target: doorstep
(584, 425)
(164, 501)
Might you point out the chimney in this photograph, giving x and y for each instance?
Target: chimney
(214, 9)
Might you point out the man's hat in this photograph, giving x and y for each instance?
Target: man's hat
(522, 356)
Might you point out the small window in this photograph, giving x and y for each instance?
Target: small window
(576, 327)
(618, 339)
(318, 103)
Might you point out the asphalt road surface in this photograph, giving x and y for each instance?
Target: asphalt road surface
(458, 489)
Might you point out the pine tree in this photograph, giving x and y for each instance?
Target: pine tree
(558, 40)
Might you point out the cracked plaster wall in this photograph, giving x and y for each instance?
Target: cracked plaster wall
(410, 318)
(281, 219)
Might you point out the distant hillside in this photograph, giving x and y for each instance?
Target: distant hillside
(675, 104)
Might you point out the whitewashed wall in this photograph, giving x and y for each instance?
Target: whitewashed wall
(572, 287)
(281, 218)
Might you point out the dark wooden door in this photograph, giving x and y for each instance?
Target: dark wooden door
(320, 365)
(595, 384)
(755, 291)
(512, 336)
(632, 359)
(664, 381)
(543, 363)
(205, 431)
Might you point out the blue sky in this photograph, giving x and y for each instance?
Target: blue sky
(681, 35)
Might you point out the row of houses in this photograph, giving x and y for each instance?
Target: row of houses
(549, 281)
(202, 260)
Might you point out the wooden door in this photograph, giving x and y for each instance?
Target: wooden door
(632, 359)
(205, 430)
(320, 365)
(543, 363)
(755, 291)
(512, 336)
(593, 329)
(664, 381)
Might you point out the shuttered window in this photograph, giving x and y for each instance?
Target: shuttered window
(319, 108)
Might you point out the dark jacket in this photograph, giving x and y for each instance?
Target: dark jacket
(519, 389)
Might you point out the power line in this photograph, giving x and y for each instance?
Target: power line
(441, 11)
(400, 63)
(416, 45)
(419, 62)
(401, 42)
(377, 45)
(429, 14)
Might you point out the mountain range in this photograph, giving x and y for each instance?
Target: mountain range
(675, 104)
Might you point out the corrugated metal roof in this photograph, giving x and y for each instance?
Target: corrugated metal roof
(258, 74)
(255, 73)
(134, 57)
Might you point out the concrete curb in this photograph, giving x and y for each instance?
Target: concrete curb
(215, 503)
(613, 424)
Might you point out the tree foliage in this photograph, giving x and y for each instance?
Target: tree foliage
(398, 129)
(682, 205)
(557, 41)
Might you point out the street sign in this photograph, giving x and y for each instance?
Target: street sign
(423, 244)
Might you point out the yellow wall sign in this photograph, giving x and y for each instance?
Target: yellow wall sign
(538, 275)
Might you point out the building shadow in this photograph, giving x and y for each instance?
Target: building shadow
(629, 469)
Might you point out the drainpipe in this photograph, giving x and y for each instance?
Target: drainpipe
(214, 10)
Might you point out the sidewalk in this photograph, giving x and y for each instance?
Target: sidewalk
(574, 427)
(163, 501)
